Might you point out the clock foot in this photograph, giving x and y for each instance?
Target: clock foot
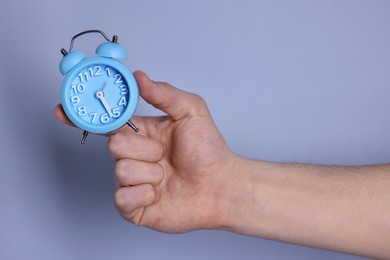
(132, 125)
(85, 134)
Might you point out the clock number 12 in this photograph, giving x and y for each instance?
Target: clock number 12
(91, 72)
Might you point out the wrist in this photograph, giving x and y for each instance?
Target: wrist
(238, 203)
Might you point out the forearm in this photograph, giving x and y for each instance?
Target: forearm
(337, 208)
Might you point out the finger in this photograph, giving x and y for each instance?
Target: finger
(60, 115)
(173, 101)
(125, 144)
(129, 199)
(129, 172)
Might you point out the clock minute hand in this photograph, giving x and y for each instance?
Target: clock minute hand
(100, 96)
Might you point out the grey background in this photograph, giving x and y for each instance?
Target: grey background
(301, 81)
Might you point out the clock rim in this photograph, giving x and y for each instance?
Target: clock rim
(129, 110)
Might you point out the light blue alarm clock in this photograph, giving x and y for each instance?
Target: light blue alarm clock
(99, 94)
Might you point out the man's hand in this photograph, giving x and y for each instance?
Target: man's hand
(170, 174)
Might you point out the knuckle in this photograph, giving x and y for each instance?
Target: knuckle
(198, 100)
(159, 151)
(150, 195)
(115, 145)
(112, 144)
(133, 211)
(120, 201)
(120, 170)
(199, 105)
(160, 173)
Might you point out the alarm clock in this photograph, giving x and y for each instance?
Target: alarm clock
(99, 94)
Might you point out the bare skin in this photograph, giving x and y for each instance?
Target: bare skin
(178, 174)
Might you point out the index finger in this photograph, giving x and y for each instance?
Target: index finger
(61, 116)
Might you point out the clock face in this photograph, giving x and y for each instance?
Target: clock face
(96, 97)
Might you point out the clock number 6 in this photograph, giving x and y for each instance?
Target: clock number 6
(104, 118)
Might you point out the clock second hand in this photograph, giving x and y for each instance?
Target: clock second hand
(100, 96)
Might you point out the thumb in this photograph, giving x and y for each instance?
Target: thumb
(169, 99)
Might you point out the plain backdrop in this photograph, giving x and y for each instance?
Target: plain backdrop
(288, 81)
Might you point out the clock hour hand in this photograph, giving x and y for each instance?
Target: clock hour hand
(100, 96)
(104, 86)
